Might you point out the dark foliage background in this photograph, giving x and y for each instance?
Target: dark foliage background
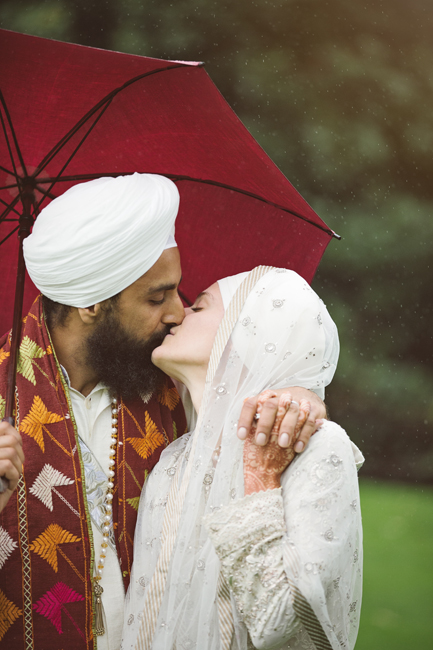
(340, 95)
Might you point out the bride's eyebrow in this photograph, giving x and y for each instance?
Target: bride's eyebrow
(203, 294)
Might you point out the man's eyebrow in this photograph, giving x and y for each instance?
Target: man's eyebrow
(164, 287)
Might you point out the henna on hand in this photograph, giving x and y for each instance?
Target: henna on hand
(263, 465)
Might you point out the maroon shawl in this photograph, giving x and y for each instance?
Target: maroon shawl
(46, 555)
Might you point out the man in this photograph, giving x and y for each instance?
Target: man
(93, 413)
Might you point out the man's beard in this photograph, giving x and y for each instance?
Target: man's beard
(122, 362)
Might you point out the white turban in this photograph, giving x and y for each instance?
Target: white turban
(99, 237)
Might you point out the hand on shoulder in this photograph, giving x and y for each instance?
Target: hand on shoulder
(264, 464)
(294, 428)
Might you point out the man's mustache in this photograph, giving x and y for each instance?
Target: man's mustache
(157, 338)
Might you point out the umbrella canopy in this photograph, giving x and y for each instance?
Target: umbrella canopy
(71, 113)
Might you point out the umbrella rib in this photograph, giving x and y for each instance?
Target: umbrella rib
(48, 160)
(9, 187)
(7, 236)
(45, 192)
(80, 177)
(18, 150)
(257, 197)
(105, 100)
(9, 207)
(14, 173)
(5, 169)
(6, 204)
(77, 147)
(83, 177)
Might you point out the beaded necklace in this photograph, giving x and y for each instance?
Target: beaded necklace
(107, 522)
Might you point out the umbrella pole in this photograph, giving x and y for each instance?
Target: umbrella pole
(26, 221)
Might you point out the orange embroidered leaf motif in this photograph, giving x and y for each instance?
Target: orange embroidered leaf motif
(3, 355)
(29, 350)
(168, 397)
(48, 543)
(36, 419)
(153, 439)
(8, 614)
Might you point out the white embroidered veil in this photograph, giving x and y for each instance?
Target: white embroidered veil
(276, 332)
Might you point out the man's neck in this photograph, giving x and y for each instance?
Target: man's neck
(68, 344)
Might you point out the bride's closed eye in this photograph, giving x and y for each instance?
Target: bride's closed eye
(196, 308)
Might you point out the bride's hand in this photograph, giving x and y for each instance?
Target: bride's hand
(263, 465)
(290, 421)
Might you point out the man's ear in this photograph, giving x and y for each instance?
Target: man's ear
(89, 315)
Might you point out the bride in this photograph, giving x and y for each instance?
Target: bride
(236, 546)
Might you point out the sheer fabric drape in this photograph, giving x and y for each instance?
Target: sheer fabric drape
(275, 333)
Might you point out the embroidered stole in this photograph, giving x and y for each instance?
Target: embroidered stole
(46, 545)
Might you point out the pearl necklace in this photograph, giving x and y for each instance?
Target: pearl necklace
(107, 522)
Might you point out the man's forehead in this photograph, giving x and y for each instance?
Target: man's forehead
(165, 274)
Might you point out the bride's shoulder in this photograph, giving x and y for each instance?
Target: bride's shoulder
(332, 434)
(330, 445)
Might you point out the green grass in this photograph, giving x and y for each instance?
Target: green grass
(397, 607)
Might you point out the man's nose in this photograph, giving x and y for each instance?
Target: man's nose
(176, 313)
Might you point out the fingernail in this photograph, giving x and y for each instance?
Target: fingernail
(284, 440)
(242, 433)
(260, 439)
(299, 446)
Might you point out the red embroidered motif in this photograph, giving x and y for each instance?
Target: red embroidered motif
(52, 604)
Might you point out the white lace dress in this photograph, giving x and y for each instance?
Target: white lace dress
(292, 557)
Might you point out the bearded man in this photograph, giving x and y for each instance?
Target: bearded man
(93, 412)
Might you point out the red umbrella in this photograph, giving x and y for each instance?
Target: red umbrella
(71, 113)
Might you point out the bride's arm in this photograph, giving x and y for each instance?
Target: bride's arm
(248, 534)
(248, 538)
(281, 558)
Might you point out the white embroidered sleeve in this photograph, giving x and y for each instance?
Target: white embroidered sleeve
(294, 565)
(247, 536)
